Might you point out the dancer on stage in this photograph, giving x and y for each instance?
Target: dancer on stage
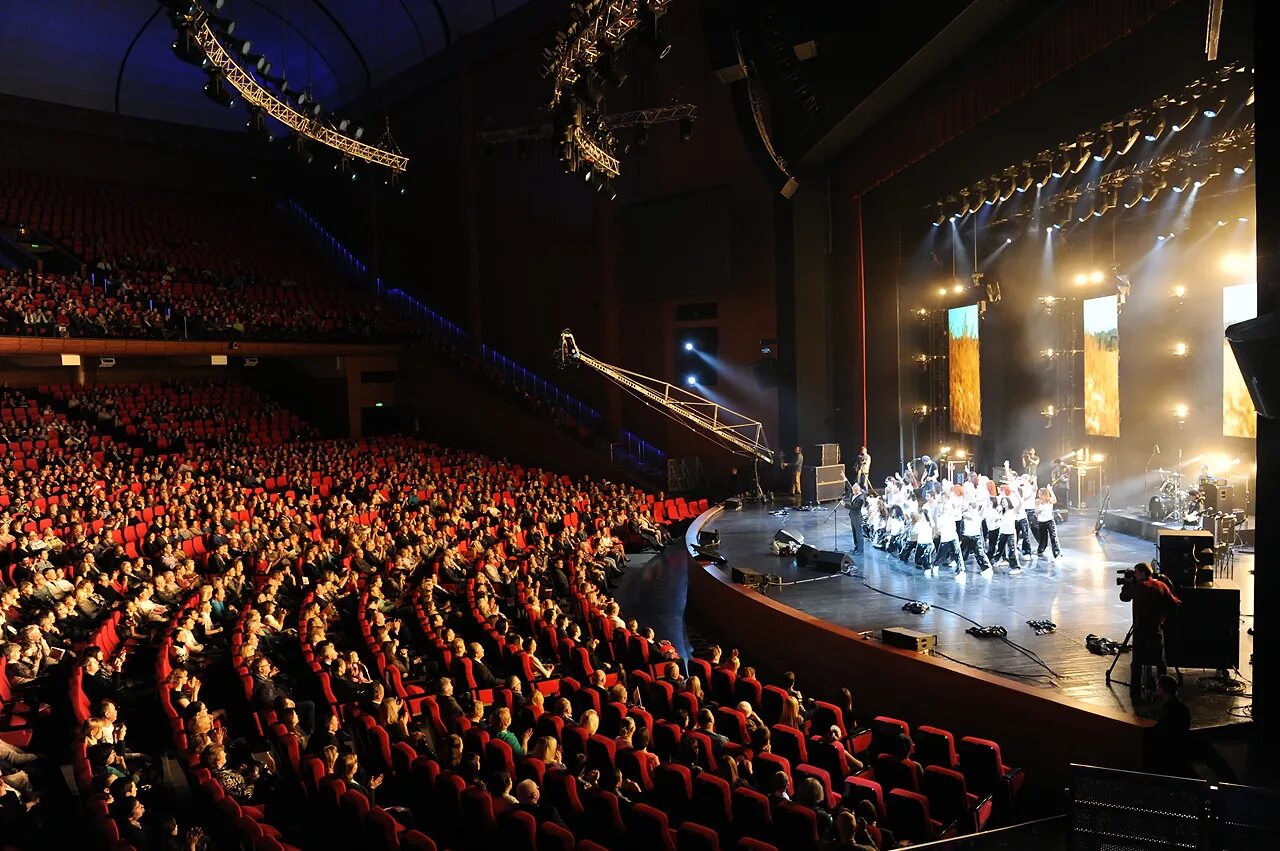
(920, 543)
(1047, 529)
(1027, 503)
(946, 516)
(1011, 517)
(971, 514)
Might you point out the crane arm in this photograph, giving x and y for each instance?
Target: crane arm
(736, 432)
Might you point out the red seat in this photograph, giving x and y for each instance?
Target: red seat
(479, 827)
(788, 742)
(603, 818)
(673, 788)
(986, 774)
(560, 788)
(884, 733)
(951, 802)
(696, 837)
(831, 796)
(648, 829)
(797, 826)
(553, 837)
(517, 831)
(381, 831)
(416, 840)
(635, 769)
(857, 788)
(713, 800)
(601, 752)
(751, 814)
(910, 819)
(893, 773)
(935, 747)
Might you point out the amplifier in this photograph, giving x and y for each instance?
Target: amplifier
(1218, 497)
(909, 639)
(1186, 555)
(825, 454)
(822, 484)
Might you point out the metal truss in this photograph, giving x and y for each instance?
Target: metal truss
(256, 95)
(637, 118)
(580, 46)
(734, 431)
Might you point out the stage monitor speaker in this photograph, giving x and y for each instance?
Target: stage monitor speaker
(825, 454)
(782, 536)
(709, 538)
(1204, 632)
(1184, 553)
(805, 555)
(831, 561)
(743, 576)
(909, 639)
(822, 484)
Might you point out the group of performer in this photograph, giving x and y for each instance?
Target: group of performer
(932, 523)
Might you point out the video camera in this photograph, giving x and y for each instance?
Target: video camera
(1125, 577)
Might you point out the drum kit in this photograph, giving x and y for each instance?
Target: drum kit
(1172, 503)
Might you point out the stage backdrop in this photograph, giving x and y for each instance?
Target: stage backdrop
(1101, 367)
(1239, 419)
(963, 358)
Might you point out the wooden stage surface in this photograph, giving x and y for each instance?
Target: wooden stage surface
(1077, 592)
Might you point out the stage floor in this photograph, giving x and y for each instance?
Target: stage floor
(1077, 592)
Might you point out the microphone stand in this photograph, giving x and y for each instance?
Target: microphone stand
(1146, 472)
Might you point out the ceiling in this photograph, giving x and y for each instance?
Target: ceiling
(114, 55)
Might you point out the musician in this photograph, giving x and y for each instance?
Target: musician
(1047, 528)
(862, 469)
(928, 475)
(796, 462)
(857, 501)
(1030, 462)
(1061, 471)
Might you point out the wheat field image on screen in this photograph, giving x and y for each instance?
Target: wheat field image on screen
(965, 369)
(1239, 418)
(1101, 367)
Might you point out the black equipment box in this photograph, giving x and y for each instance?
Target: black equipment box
(909, 639)
(1218, 497)
(826, 454)
(1204, 632)
(822, 484)
(1186, 555)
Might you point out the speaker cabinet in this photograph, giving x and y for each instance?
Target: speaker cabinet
(822, 484)
(805, 555)
(1184, 553)
(1204, 632)
(831, 561)
(825, 454)
(1219, 497)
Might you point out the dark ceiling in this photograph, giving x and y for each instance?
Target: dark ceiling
(114, 55)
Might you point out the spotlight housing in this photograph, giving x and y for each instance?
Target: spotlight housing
(1153, 126)
(218, 91)
(1186, 114)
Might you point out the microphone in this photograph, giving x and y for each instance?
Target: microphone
(1157, 449)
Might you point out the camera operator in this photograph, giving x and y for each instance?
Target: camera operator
(1152, 601)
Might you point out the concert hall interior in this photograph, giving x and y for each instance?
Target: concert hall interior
(564, 425)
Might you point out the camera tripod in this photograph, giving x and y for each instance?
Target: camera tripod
(1127, 643)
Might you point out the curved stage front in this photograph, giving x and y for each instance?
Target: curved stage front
(826, 628)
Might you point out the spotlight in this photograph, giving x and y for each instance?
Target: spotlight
(691, 380)
(1181, 180)
(1153, 126)
(1008, 185)
(1131, 193)
(991, 191)
(1180, 350)
(299, 147)
(1043, 170)
(958, 289)
(940, 215)
(257, 124)
(257, 62)
(1083, 143)
(1110, 197)
(960, 454)
(686, 128)
(1213, 107)
(688, 347)
(217, 90)
(186, 48)
(1098, 458)
(1096, 276)
(642, 134)
(1248, 101)
(1061, 163)
(1180, 411)
(1103, 147)
(1239, 160)
(1081, 279)
(1178, 291)
(1188, 112)
(235, 45)
(1025, 178)
(651, 31)
(1152, 186)
(1126, 135)
(942, 290)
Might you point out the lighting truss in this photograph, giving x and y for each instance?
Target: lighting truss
(638, 118)
(734, 431)
(600, 26)
(1069, 157)
(256, 95)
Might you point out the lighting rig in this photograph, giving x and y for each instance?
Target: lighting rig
(209, 41)
(585, 57)
(1203, 99)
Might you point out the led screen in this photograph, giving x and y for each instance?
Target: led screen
(1101, 367)
(1239, 419)
(963, 357)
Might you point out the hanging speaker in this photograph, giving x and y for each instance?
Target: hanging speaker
(766, 373)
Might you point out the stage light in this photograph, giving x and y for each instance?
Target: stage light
(1025, 178)
(257, 124)
(1048, 411)
(960, 454)
(1213, 107)
(1043, 169)
(1081, 157)
(1127, 135)
(1188, 113)
(1103, 148)
(1179, 291)
(1047, 354)
(1235, 263)
(1248, 101)
(1222, 223)
(921, 410)
(217, 90)
(1061, 163)
(1096, 276)
(186, 48)
(686, 128)
(688, 347)
(1131, 193)
(942, 290)
(1153, 126)
(958, 289)
(1180, 411)
(1239, 159)
(1242, 219)
(943, 450)
(1081, 279)
(691, 380)
(1180, 350)
(1152, 186)
(1098, 457)
(1008, 240)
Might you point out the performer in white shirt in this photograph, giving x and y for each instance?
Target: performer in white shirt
(945, 519)
(971, 541)
(1010, 517)
(1048, 528)
(1027, 526)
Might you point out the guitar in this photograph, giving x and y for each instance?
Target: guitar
(1102, 512)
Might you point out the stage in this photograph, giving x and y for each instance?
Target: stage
(1077, 592)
